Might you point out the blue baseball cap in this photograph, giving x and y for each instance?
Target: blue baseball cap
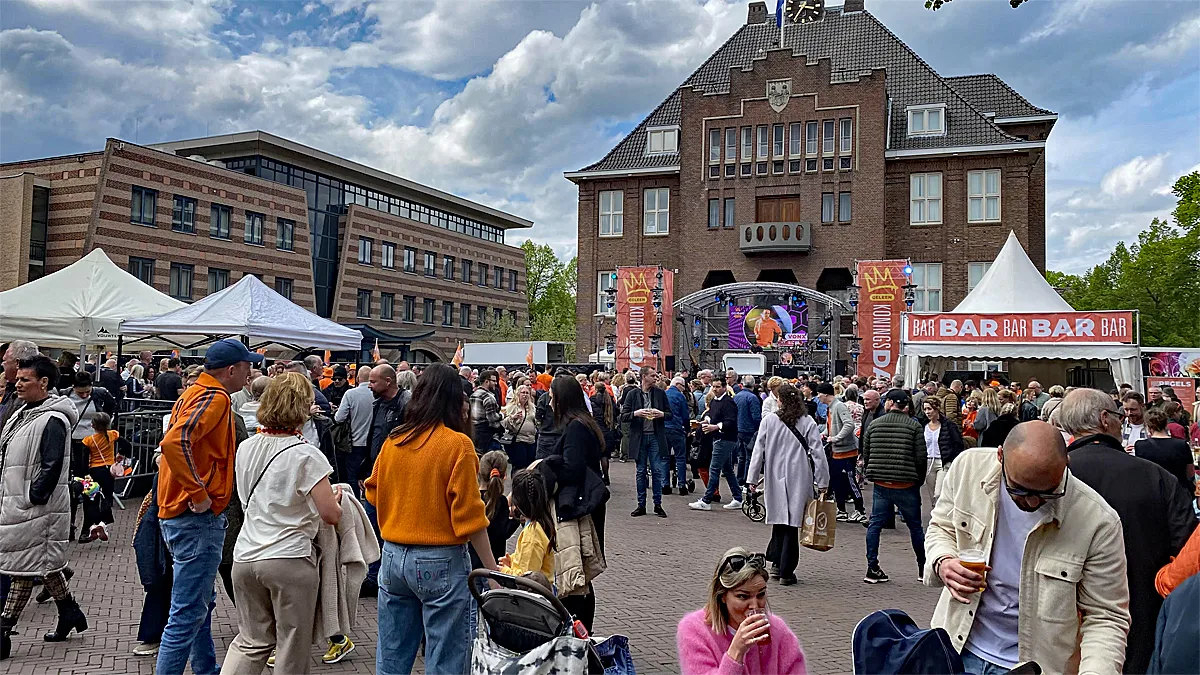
(227, 352)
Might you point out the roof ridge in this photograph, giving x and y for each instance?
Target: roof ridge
(1007, 87)
(645, 120)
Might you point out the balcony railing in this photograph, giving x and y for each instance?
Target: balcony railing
(775, 238)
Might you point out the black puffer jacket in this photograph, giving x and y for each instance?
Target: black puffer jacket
(894, 450)
(950, 442)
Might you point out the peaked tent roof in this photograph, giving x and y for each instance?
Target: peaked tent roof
(1012, 284)
(250, 308)
(83, 303)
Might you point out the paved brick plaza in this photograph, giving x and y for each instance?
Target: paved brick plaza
(658, 570)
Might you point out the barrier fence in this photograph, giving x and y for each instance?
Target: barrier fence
(141, 431)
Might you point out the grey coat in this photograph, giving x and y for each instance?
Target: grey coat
(33, 537)
(841, 426)
(781, 460)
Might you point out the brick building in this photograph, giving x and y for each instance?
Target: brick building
(349, 242)
(788, 164)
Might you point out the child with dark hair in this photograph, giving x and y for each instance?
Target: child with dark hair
(102, 454)
(537, 541)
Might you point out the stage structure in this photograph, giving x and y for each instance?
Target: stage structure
(798, 329)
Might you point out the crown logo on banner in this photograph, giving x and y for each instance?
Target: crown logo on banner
(879, 284)
(637, 289)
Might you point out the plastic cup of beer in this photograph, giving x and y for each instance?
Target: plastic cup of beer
(766, 639)
(975, 560)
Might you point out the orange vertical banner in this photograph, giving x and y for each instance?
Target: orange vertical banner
(637, 317)
(880, 303)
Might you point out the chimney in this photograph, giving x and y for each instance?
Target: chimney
(757, 13)
(852, 6)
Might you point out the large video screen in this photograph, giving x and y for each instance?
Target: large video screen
(768, 326)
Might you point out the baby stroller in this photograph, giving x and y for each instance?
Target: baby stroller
(526, 629)
(752, 504)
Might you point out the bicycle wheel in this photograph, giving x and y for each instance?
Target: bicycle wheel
(755, 511)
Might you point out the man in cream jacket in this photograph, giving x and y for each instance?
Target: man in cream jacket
(1056, 590)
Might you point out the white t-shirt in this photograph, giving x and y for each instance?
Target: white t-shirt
(281, 519)
(932, 450)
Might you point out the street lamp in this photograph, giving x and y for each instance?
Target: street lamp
(852, 297)
(910, 294)
(610, 344)
(655, 343)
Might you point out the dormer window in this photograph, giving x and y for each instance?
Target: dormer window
(662, 141)
(927, 120)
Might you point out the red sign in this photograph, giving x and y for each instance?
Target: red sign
(1185, 389)
(880, 303)
(1025, 328)
(638, 318)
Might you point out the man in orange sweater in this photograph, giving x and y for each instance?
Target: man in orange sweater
(195, 484)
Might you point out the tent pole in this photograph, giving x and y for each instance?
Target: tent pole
(120, 347)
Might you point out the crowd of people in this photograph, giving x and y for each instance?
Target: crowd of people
(394, 482)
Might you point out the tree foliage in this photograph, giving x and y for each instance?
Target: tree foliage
(550, 286)
(1159, 275)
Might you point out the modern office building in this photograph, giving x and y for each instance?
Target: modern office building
(421, 267)
(789, 163)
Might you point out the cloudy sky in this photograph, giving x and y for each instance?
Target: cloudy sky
(494, 100)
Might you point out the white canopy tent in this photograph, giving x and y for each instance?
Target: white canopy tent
(82, 304)
(1013, 285)
(251, 309)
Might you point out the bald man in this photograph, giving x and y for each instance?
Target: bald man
(1055, 581)
(357, 408)
(387, 413)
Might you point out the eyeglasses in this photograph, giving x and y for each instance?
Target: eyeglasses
(1119, 412)
(735, 563)
(1018, 491)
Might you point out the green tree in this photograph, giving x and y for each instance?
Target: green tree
(550, 287)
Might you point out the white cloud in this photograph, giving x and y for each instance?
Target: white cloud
(1132, 176)
(1179, 40)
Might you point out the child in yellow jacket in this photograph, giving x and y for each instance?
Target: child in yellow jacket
(536, 543)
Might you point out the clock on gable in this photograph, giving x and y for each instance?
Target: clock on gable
(804, 11)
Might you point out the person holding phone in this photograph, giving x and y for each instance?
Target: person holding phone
(646, 410)
(735, 632)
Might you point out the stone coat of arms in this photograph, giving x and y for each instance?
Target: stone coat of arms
(779, 92)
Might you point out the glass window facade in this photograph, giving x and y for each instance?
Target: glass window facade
(143, 269)
(38, 234)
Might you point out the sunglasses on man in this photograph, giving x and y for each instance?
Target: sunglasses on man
(1044, 495)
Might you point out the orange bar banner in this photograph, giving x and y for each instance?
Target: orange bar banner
(880, 304)
(1117, 327)
(636, 317)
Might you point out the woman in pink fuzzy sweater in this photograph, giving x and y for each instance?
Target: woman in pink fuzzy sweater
(734, 634)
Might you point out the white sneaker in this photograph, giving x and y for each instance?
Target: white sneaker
(733, 505)
(146, 649)
(700, 505)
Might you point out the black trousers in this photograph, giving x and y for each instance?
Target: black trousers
(156, 608)
(784, 549)
(99, 510)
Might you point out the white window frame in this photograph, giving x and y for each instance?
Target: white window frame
(604, 281)
(845, 210)
(795, 141)
(410, 260)
(920, 277)
(828, 137)
(747, 144)
(254, 228)
(612, 214)
(764, 143)
(731, 145)
(714, 146)
(973, 267)
(364, 250)
(845, 136)
(810, 139)
(827, 214)
(983, 196)
(667, 137)
(920, 199)
(714, 213)
(729, 212)
(661, 213)
(778, 141)
(921, 112)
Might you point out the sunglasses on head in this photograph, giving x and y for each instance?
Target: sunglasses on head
(736, 562)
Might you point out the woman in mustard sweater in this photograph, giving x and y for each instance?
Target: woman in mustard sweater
(424, 489)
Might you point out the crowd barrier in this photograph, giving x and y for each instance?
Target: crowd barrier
(141, 432)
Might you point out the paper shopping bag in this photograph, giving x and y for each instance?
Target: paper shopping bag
(820, 522)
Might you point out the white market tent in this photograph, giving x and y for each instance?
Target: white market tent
(252, 310)
(82, 304)
(1013, 285)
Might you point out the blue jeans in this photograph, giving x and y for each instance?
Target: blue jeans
(745, 447)
(650, 459)
(195, 541)
(884, 501)
(722, 463)
(678, 443)
(347, 467)
(423, 593)
(974, 665)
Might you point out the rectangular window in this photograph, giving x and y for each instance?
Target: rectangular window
(181, 281)
(747, 144)
(464, 316)
(656, 218)
(448, 268)
(928, 279)
(254, 228)
(729, 212)
(925, 195)
(845, 163)
(285, 234)
(218, 280)
(827, 207)
(846, 136)
(714, 146)
(763, 144)
(747, 170)
(430, 263)
(810, 139)
(497, 316)
(605, 281)
(498, 277)
(466, 271)
(364, 303)
(827, 138)
(827, 164)
(730, 170)
(143, 269)
(714, 171)
(183, 215)
(512, 281)
(427, 314)
(447, 313)
(731, 144)
(795, 144)
(778, 167)
(927, 120)
(983, 196)
(612, 213)
(387, 302)
(714, 213)
(410, 308)
(810, 165)
(761, 168)
(283, 286)
(364, 250)
(142, 203)
(481, 316)
(387, 255)
(483, 274)
(662, 141)
(795, 165)
(218, 224)
(975, 272)
(777, 139)
(843, 207)
(410, 259)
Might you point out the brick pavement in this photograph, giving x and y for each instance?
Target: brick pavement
(658, 570)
